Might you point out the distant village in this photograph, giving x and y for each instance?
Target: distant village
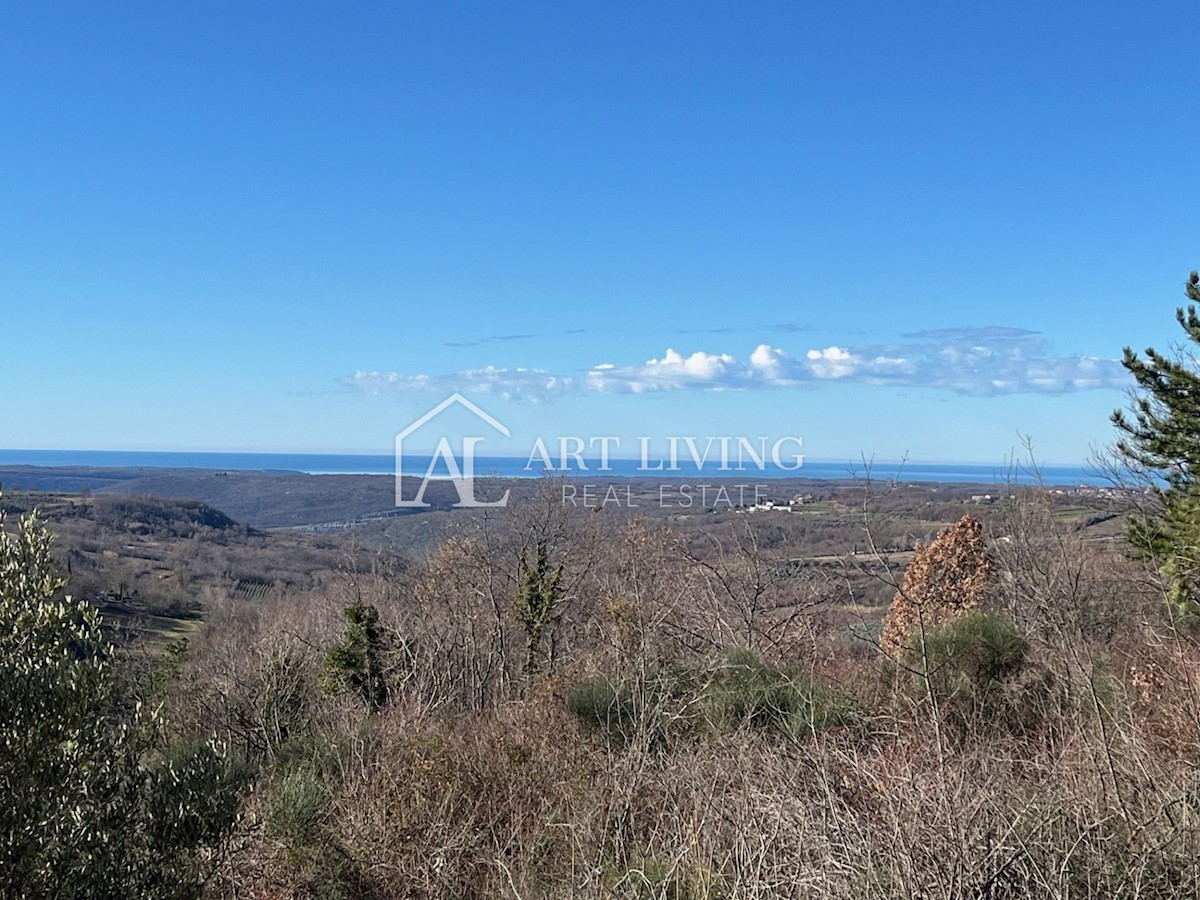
(763, 504)
(1090, 491)
(799, 501)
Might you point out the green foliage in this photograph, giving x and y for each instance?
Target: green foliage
(973, 654)
(96, 803)
(748, 692)
(194, 794)
(305, 778)
(356, 664)
(540, 590)
(154, 681)
(298, 802)
(298, 806)
(733, 691)
(650, 878)
(1160, 434)
(979, 670)
(610, 707)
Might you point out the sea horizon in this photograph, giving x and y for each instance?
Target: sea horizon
(521, 467)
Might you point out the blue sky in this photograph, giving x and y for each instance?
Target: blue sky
(890, 228)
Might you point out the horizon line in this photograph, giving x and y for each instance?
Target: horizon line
(858, 460)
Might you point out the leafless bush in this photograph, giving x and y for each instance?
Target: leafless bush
(1076, 778)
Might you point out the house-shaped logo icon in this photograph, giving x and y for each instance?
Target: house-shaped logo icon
(461, 476)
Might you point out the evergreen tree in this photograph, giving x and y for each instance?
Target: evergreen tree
(1160, 435)
(356, 663)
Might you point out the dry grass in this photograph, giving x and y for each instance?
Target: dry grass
(1072, 773)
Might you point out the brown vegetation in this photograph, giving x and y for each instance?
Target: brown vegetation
(943, 581)
(1043, 745)
(154, 566)
(567, 703)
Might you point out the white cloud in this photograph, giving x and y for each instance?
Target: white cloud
(773, 364)
(975, 361)
(832, 362)
(529, 384)
(677, 370)
(673, 372)
(766, 357)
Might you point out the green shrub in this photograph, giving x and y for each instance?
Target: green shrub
(746, 692)
(650, 878)
(605, 705)
(728, 692)
(973, 654)
(979, 671)
(627, 713)
(357, 663)
(96, 801)
(299, 799)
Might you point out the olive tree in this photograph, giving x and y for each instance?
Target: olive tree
(95, 801)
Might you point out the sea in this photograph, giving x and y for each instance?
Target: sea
(519, 467)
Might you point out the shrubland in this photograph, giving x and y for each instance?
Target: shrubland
(555, 702)
(697, 726)
(558, 703)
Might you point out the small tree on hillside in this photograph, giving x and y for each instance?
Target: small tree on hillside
(949, 577)
(539, 591)
(95, 802)
(356, 664)
(1160, 436)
